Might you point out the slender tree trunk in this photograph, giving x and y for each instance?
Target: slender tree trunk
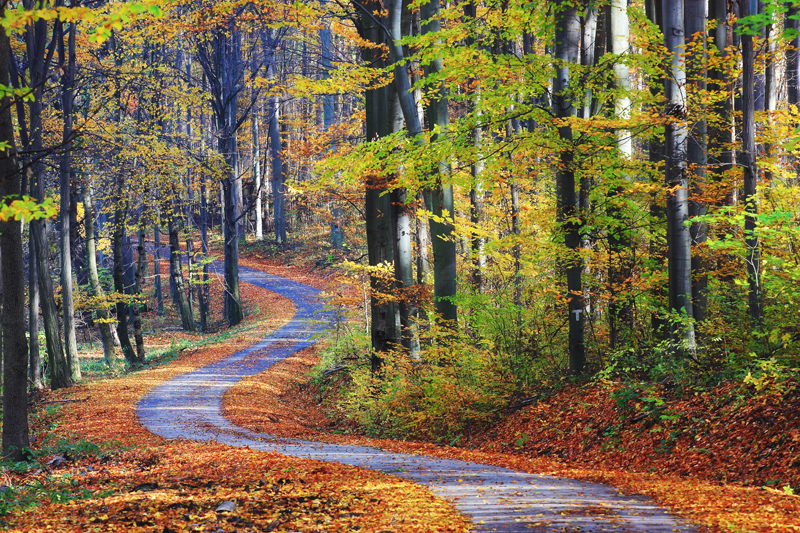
(35, 358)
(136, 306)
(326, 50)
(60, 375)
(190, 267)
(203, 289)
(257, 180)
(39, 57)
(568, 37)
(424, 270)
(477, 190)
(620, 312)
(378, 210)
(679, 243)
(120, 219)
(792, 55)
(656, 150)
(516, 250)
(176, 273)
(157, 265)
(478, 243)
(65, 174)
(278, 175)
(104, 322)
(14, 346)
(753, 258)
(441, 195)
(695, 19)
(404, 272)
(228, 52)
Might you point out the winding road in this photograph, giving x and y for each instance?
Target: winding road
(494, 499)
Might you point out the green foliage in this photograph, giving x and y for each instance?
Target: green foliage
(442, 395)
(51, 486)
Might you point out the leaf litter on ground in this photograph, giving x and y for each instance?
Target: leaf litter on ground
(136, 481)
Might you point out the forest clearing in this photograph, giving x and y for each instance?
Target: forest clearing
(400, 266)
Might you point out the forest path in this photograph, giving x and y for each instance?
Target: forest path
(494, 498)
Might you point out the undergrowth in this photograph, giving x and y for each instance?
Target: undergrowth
(39, 482)
(441, 394)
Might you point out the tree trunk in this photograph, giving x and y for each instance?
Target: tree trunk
(695, 22)
(657, 244)
(14, 347)
(568, 37)
(278, 176)
(135, 305)
(94, 278)
(203, 289)
(35, 363)
(404, 271)
(176, 273)
(620, 312)
(257, 180)
(326, 51)
(228, 52)
(120, 219)
(679, 245)
(378, 212)
(424, 270)
(753, 258)
(159, 293)
(65, 174)
(792, 54)
(38, 67)
(440, 197)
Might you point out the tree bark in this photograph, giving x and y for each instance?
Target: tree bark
(568, 37)
(278, 175)
(440, 198)
(753, 257)
(135, 305)
(120, 219)
(39, 57)
(378, 212)
(679, 258)
(159, 293)
(695, 23)
(14, 346)
(792, 55)
(619, 236)
(65, 174)
(35, 357)
(104, 323)
(176, 273)
(257, 180)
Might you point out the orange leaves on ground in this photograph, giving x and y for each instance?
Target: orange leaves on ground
(145, 483)
(575, 434)
(179, 486)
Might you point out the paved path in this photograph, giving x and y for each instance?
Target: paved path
(495, 499)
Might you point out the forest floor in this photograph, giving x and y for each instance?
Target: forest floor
(102, 471)
(98, 469)
(727, 459)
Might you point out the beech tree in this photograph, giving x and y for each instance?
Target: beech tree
(14, 345)
(677, 180)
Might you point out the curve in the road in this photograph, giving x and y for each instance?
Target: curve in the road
(495, 499)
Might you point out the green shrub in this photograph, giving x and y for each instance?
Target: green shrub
(439, 396)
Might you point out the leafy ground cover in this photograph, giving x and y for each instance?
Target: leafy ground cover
(282, 401)
(726, 459)
(94, 468)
